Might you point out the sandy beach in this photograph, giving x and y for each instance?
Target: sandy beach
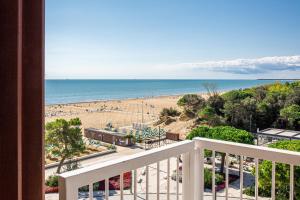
(121, 113)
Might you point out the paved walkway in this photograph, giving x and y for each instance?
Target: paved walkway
(121, 151)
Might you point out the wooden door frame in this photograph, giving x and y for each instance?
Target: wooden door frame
(22, 100)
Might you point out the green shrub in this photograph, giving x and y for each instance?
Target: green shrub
(52, 181)
(111, 147)
(169, 112)
(208, 178)
(226, 133)
(166, 116)
(207, 112)
(237, 95)
(191, 102)
(201, 131)
(190, 99)
(250, 191)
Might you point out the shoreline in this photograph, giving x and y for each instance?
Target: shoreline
(134, 98)
(125, 99)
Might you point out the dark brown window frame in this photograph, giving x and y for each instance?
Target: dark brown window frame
(22, 102)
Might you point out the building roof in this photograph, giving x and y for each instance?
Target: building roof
(280, 133)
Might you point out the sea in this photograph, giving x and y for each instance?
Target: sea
(74, 91)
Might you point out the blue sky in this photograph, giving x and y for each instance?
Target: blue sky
(228, 39)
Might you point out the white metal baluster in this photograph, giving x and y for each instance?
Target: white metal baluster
(191, 178)
(121, 186)
(168, 179)
(273, 179)
(213, 175)
(147, 182)
(199, 173)
(201, 190)
(91, 194)
(227, 176)
(106, 189)
(177, 178)
(135, 185)
(291, 182)
(256, 178)
(158, 182)
(186, 186)
(241, 176)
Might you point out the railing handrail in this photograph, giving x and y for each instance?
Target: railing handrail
(260, 152)
(192, 169)
(107, 169)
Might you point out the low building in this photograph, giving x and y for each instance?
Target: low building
(270, 134)
(111, 137)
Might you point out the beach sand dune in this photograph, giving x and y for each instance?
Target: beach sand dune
(120, 113)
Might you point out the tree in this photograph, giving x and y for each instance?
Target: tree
(266, 114)
(260, 92)
(217, 103)
(240, 108)
(248, 109)
(241, 114)
(249, 114)
(291, 114)
(293, 97)
(282, 88)
(226, 133)
(282, 175)
(64, 139)
(210, 116)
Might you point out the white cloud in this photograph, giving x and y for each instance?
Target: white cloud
(246, 66)
(85, 67)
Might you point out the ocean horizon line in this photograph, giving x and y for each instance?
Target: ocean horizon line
(80, 90)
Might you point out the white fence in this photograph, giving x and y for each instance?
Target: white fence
(192, 169)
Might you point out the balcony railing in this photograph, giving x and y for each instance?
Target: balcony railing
(163, 159)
